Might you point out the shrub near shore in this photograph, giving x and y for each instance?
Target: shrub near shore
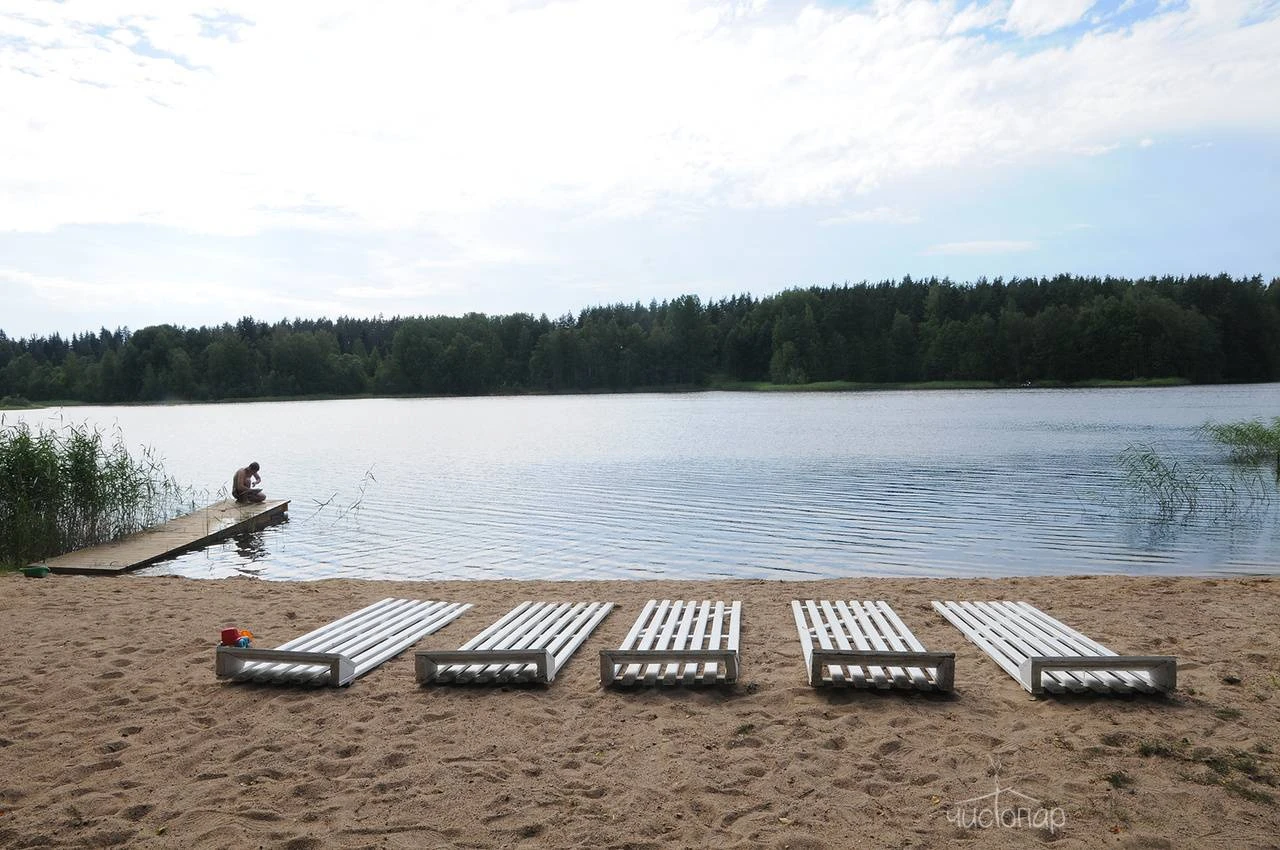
(66, 488)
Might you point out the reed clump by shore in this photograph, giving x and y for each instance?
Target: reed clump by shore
(1251, 442)
(1183, 487)
(69, 487)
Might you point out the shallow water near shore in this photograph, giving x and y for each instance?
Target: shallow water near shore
(712, 485)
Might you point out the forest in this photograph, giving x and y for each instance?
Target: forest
(1047, 331)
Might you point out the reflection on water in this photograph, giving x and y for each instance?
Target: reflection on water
(714, 485)
(251, 547)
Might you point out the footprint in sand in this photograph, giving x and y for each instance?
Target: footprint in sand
(137, 813)
(889, 747)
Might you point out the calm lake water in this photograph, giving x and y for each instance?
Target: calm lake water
(712, 485)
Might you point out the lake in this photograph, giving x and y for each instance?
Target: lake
(712, 485)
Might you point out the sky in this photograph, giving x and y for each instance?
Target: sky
(165, 161)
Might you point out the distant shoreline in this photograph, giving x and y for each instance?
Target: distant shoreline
(715, 386)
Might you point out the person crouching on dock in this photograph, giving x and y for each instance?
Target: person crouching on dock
(242, 485)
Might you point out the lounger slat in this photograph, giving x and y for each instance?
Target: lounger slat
(973, 629)
(992, 638)
(671, 641)
(326, 639)
(530, 643)
(520, 632)
(840, 639)
(1061, 641)
(1139, 680)
(1044, 654)
(876, 610)
(356, 639)
(1051, 642)
(666, 631)
(490, 636)
(896, 675)
(681, 637)
(639, 633)
(806, 633)
(824, 634)
(1028, 644)
(715, 633)
(866, 644)
(591, 618)
(342, 651)
(545, 632)
(699, 634)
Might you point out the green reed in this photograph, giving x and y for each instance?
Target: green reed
(67, 487)
(1184, 488)
(1250, 442)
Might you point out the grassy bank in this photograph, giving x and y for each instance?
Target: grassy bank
(66, 488)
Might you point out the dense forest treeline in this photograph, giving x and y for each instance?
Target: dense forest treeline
(1066, 329)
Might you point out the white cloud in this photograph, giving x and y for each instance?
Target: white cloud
(884, 215)
(381, 293)
(1146, 143)
(1041, 17)
(435, 116)
(118, 295)
(995, 246)
(978, 16)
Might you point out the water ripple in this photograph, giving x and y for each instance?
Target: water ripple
(712, 486)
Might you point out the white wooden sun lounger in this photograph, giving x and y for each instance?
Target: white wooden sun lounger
(342, 651)
(529, 644)
(866, 645)
(1046, 655)
(677, 642)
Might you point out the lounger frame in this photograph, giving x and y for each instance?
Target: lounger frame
(681, 642)
(340, 652)
(530, 643)
(1043, 654)
(866, 645)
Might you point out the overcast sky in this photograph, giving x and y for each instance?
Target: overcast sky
(163, 161)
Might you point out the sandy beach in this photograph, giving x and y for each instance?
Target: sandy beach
(116, 732)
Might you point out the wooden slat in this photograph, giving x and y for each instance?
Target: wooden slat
(190, 531)
(841, 635)
(806, 636)
(1027, 643)
(530, 643)
(866, 644)
(677, 639)
(681, 638)
(1087, 645)
(1052, 641)
(900, 638)
(341, 651)
(640, 631)
(1044, 654)
(1034, 642)
(699, 635)
(973, 629)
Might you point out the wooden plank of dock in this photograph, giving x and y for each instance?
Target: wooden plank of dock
(190, 531)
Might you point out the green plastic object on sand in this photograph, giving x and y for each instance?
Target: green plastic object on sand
(36, 571)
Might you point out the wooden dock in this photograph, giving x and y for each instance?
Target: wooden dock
(190, 531)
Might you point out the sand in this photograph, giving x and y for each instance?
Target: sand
(116, 733)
